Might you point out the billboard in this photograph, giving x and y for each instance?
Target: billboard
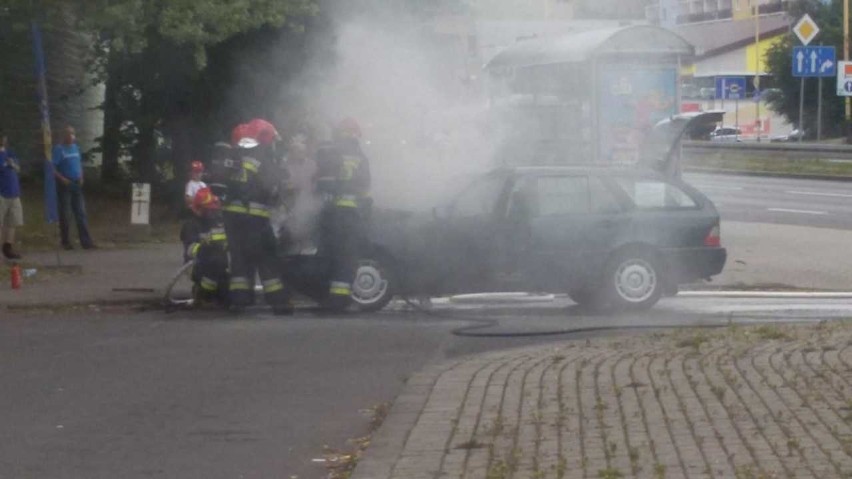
(631, 100)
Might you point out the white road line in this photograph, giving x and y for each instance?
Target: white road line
(716, 187)
(767, 294)
(801, 212)
(816, 193)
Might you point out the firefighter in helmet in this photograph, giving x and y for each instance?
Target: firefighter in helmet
(208, 247)
(253, 185)
(344, 180)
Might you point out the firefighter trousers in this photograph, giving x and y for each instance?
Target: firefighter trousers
(251, 244)
(342, 239)
(210, 273)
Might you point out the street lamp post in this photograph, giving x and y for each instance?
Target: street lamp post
(757, 122)
(846, 58)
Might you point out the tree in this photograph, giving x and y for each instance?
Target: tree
(785, 100)
(153, 57)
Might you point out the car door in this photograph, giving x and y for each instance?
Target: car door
(575, 223)
(466, 236)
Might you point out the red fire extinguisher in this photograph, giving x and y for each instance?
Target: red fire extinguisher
(16, 277)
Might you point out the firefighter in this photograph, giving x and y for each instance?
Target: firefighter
(208, 247)
(344, 180)
(253, 184)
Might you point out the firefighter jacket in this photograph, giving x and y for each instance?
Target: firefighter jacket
(253, 183)
(343, 173)
(205, 232)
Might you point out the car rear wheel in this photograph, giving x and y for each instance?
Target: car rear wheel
(634, 280)
(373, 286)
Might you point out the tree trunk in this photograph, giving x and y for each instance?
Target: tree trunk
(111, 140)
(144, 161)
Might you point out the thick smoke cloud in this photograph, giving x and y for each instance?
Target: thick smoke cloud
(425, 129)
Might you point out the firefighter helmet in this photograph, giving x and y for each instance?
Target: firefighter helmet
(349, 127)
(241, 136)
(205, 200)
(263, 131)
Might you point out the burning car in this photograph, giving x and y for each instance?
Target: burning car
(609, 236)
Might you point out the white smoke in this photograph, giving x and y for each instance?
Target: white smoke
(424, 127)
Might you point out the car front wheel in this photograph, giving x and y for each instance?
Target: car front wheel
(634, 280)
(373, 286)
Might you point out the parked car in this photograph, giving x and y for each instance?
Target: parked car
(726, 134)
(794, 136)
(707, 93)
(608, 236)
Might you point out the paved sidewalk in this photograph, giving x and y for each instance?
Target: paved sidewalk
(771, 401)
(95, 276)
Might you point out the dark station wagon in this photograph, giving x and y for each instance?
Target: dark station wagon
(610, 237)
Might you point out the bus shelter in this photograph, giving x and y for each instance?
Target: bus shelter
(586, 97)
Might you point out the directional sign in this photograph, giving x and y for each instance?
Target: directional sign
(814, 62)
(806, 29)
(844, 79)
(730, 88)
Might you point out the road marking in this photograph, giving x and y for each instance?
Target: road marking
(801, 212)
(716, 187)
(767, 294)
(816, 193)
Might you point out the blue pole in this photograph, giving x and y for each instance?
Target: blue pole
(51, 212)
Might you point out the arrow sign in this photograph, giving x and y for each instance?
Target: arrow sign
(730, 88)
(814, 62)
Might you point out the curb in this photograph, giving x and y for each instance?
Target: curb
(31, 306)
(388, 442)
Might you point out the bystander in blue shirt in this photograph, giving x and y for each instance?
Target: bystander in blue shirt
(68, 161)
(10, 185)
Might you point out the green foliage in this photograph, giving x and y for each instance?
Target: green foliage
(829, 17)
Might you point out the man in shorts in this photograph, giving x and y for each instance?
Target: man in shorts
(11, 211)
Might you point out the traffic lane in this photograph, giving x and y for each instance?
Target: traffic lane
(782, 201)
(191, 396)
(205, 395)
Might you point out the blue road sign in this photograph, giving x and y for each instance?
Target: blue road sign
(730, 88)
(814, 62)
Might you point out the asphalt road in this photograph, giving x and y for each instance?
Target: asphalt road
(825, 204)
(204, 395)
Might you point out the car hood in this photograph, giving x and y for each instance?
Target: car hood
(661, 148)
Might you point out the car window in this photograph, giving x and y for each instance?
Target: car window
(655, 194)
(602, 199)
(563, 195)
(479, 199)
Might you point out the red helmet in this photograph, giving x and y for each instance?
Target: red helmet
(239, 133)
(205, 200)
(263, 131)
(348, 126)
(197, 167)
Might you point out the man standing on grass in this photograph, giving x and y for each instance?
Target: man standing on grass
(11, 211)
(68, 169)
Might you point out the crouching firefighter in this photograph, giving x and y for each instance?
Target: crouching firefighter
(253, 185)
(208, 248)
(344, 181)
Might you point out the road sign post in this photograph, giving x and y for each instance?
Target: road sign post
(811, 62)
(731, 88)
(801, 127)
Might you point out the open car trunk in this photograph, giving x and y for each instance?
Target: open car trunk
(661, 151)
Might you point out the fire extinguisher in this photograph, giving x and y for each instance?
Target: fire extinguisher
(16, 276)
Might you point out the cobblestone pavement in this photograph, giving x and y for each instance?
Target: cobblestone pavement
(736, 402)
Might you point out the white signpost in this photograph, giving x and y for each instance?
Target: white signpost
(844, 78)
(140, 204)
